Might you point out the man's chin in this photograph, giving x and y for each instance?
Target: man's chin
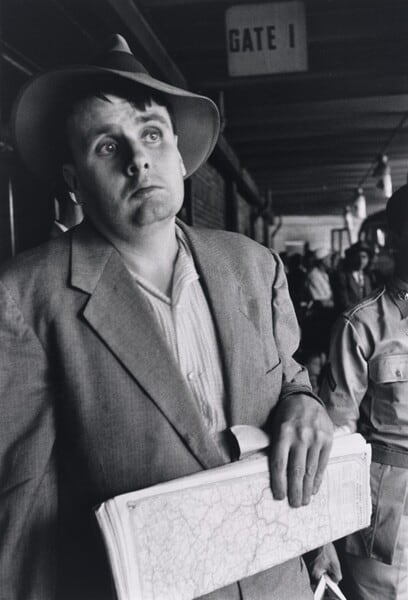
(151, 215)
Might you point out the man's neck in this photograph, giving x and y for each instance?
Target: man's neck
(152, 254)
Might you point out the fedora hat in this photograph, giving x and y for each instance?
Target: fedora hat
(35, 115)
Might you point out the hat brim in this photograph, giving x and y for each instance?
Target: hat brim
(34, 130)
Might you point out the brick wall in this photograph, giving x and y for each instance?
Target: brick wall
(208, 198)
(244, 216)
(259, 230)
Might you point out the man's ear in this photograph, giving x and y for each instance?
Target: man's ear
(183, 167)
(70, 178)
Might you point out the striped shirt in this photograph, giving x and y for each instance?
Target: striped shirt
(188, 328)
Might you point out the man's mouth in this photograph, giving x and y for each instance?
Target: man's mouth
(141, 192)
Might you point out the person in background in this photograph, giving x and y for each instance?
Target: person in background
(320, 314)
(317, 283)
(130, 344)
(352, 282)
(365, 389)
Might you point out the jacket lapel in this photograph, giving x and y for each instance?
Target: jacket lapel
(120, 315)
(234, 315)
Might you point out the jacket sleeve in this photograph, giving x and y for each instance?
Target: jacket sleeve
(346, 376)
(295, 379)
(28, 497)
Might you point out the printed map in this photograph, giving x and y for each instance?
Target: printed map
(195, 540)
(185, 538)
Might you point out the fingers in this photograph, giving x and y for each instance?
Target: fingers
(331, 565)
(278, 463)
(297, 467)
(335, 572)
(296, 474)
(324, 560)
(293, 471)
(303, 437)
(312, 466)
(306, 467)
(324, 456)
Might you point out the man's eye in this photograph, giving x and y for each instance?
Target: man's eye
(107, 148)
(153, 135)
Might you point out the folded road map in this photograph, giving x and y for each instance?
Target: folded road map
(187, 537)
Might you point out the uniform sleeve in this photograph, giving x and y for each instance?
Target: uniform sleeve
(28, 498)
(286, 333)
(345, 381)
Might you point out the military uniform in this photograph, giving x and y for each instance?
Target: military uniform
(366, 389)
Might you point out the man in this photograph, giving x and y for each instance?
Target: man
(317, 280)
(352, 282)
(366, 389)
(132, 342)
(319, 318)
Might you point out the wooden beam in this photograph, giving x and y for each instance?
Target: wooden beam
(21, 62)
(315, 78)
(265, 131)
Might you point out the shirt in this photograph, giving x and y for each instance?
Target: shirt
(359, 278)
(318, 284)
(366, 384)
(187, 326)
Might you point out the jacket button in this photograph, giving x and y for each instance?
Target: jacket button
(398, 373)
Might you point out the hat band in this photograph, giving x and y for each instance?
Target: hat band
(120, 61)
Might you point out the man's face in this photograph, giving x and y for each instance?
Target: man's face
(126, 167)
(364, 259)
(359, 260)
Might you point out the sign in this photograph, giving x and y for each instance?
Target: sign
(266, 38)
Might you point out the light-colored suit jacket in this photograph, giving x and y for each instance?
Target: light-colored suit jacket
(93, 405)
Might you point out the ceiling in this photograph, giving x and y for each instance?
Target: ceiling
(311, 137)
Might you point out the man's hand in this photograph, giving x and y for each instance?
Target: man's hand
(301, 441)
(323, 560)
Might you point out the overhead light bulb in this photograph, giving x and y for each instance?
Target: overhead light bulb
(359, 206)
(382, 171)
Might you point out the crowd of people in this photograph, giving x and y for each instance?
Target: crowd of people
(322, 285)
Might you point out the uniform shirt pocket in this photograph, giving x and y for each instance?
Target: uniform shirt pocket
(389, 369)
(388, 390)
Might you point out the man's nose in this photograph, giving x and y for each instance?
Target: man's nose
(137, 161)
